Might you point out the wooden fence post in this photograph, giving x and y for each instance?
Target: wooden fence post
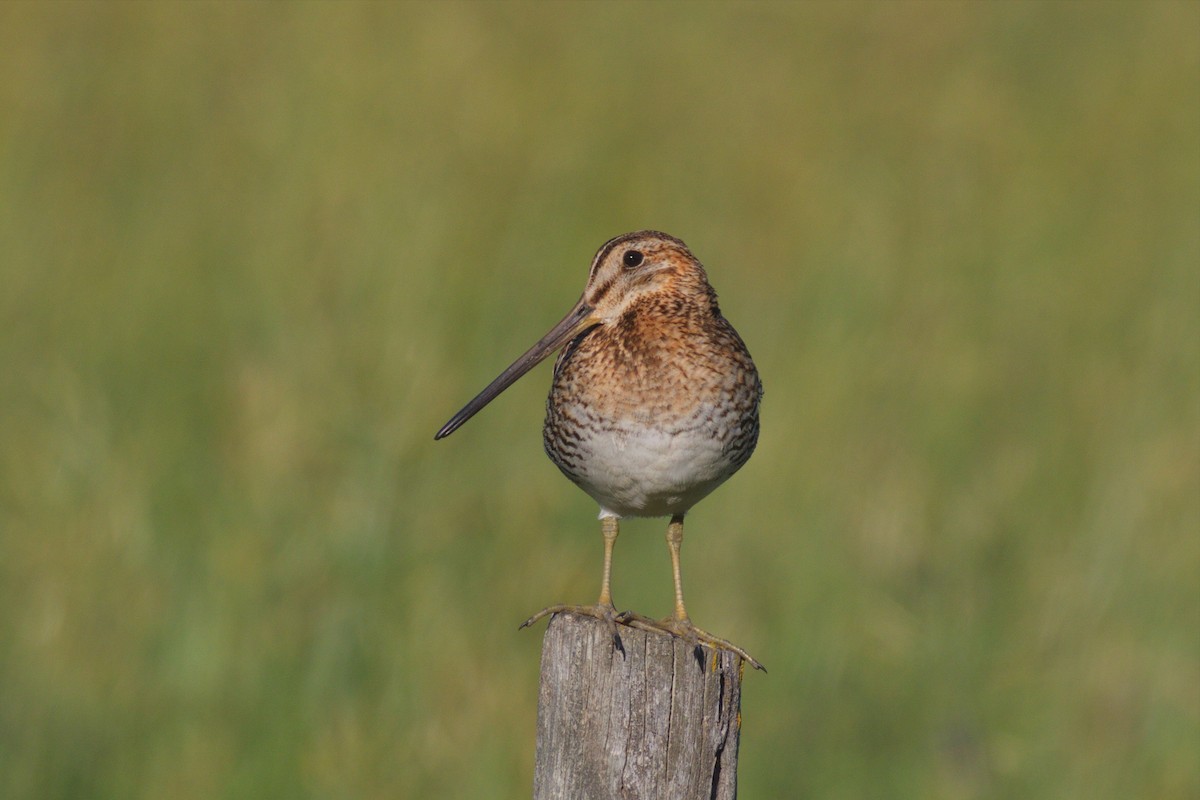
(659, 721)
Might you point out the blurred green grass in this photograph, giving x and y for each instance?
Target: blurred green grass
(254, 254)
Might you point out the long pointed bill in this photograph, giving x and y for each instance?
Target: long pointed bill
(578, 320)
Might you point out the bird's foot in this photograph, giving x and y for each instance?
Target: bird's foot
(684, 629)
(605, 612)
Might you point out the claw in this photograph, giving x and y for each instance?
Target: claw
(606, 613)
(684, 629)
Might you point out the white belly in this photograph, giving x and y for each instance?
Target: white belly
(640, 471)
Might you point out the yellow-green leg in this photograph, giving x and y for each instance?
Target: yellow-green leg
(675, 542)
(680, 624)
(604, 609)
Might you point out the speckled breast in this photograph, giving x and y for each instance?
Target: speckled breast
(648, 419)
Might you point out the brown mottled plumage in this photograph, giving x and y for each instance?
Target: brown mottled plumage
(654, 402)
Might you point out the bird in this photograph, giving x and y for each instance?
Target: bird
(654, 403)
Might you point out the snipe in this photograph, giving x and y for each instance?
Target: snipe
(654, 402)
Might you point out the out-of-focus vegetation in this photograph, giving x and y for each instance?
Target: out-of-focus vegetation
(253, 255)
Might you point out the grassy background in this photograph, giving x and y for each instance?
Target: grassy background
(255, 254)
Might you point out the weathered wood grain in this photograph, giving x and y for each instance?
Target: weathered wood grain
(659, 721)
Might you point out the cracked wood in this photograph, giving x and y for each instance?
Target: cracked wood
(658, 720)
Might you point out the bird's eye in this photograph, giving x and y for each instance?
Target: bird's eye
(632, 258)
